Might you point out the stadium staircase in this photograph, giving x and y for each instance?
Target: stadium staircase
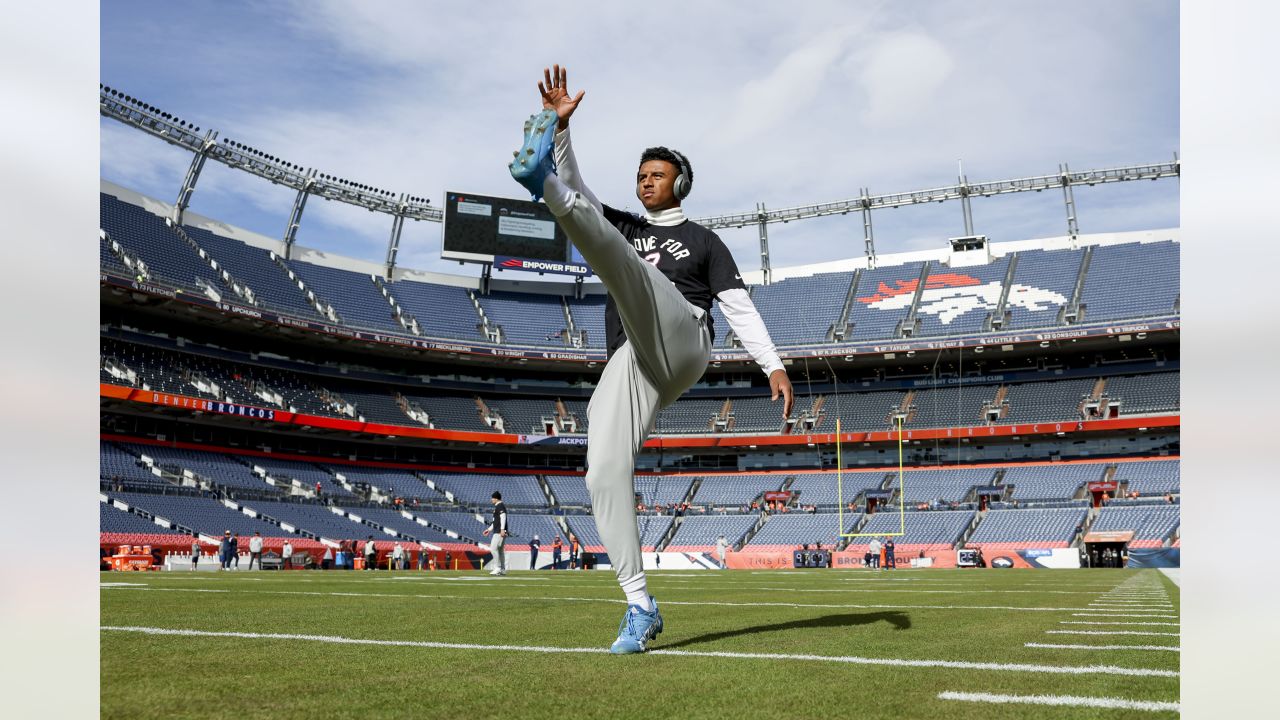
(840, 329)
(168, 475)
(906, 410)
(810, 419)
(341, 480)
(546, 492)
(567, 422)
(978, 517)
(746, 538)
(413, 410)
(325, 309)
(724, 421)
(488, 416)
(693, 490)
(1000, 316)
(491, 331)
(131, 261)
(572, 336)
(114, 367)
(857, 528)
(1089, 519)
(241, 290)
(908, 325)
(998, 480)
(1073, 311)
(1095, 403)
(338, 404)
(407, 321)
(287, 484)
(666, 538)
(1109, 475)
(995, 409)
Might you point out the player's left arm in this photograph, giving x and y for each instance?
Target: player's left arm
(746, 323)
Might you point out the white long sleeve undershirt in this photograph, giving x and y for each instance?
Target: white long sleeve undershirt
(746, 323)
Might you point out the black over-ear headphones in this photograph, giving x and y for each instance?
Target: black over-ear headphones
(683, 184)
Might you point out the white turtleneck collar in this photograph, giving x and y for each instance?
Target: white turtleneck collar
(666, 218)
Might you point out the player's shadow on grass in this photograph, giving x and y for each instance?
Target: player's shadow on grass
(899, 621)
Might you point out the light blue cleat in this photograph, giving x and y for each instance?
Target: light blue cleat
(636, 630)
(536, 159)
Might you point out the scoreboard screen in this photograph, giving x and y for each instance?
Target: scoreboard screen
(478, 228)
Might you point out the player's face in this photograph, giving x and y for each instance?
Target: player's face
(655, 185)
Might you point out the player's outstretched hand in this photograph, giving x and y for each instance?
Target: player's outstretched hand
(780, 383)
(554, 89)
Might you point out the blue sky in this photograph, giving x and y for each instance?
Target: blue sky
(771, 105)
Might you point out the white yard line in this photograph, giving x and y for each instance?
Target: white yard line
(1096, 622)
(1064, 700)
(1110, 632)
(1116, 614)
(1168, 648)
(953, 664)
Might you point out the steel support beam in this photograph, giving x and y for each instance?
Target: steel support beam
(763, 217)
(295, 217)
(868, 235)
(193, 175)
(393, 245)
(1073, 230)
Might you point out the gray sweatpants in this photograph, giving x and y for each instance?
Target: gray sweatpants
(667, 349)
(497, 545)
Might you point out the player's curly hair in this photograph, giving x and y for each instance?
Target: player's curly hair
(664, 153)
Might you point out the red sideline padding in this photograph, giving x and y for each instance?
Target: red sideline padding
(1145, 544)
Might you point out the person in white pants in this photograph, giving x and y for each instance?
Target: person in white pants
(499, 531)
(662, 272)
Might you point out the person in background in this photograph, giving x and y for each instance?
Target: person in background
(888, 554)
(370, 554)
(534, 544)
(286, 555)
(224, 551)
(883, 551)
(556, 547)
(573, 551)
(397, 556)
(875, 553)
(722, 545)
(195, 552)
(255, 550)
(235, 551)
(499, 529)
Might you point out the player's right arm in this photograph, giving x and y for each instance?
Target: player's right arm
(554, 89)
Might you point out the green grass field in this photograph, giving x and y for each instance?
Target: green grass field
(824, 644)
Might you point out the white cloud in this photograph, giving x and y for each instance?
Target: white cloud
(901, 76)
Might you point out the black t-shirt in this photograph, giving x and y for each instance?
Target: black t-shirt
(499, 511)
(692, 257)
